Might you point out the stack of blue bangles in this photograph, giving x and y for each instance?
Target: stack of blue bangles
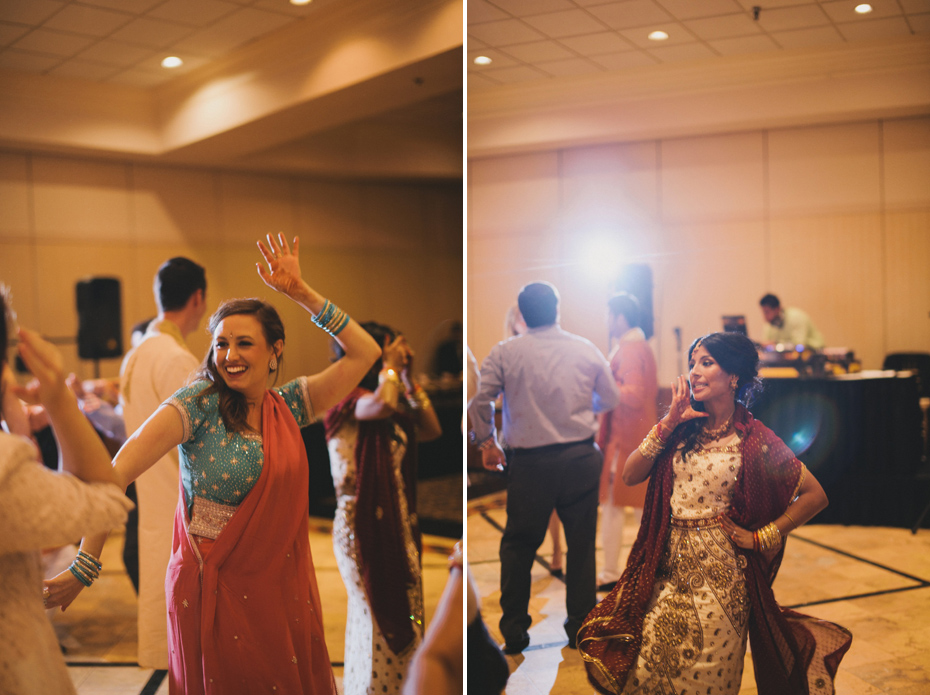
(331, 319)
(86, 568)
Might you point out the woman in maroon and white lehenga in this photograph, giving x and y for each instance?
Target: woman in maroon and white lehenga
(724, 492)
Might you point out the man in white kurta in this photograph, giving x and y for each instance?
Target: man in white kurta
(151, 372)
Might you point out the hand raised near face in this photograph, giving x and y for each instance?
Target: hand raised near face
(394, 353)
(680, 410)
(283, 271)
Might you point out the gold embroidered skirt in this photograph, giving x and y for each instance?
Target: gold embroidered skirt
(694, 635)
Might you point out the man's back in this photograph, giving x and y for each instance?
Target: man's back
(554, 382)
(151, 372)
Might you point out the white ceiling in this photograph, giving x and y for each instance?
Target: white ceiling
(396, 93)
(124, 41)
(538, 40)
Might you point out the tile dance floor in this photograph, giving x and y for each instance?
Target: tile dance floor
(100, 627)
(874, 581)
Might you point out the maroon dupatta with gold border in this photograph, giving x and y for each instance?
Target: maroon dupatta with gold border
(793, 654)
(379, 536)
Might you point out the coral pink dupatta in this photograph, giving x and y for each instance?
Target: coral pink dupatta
(244, 611)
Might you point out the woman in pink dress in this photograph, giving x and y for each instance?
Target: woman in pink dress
(244, 612)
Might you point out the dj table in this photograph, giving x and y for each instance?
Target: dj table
(860, 434)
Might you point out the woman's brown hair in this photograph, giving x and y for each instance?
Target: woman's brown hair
(232, 404)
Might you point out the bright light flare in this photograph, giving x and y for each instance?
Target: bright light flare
(864, 8)
(602, 255)
(482, 60)
(658, 36)
(172, 62)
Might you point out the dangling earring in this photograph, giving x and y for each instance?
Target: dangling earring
(273, 363)
(734, 384)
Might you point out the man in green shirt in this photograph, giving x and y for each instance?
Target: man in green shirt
(788, 325)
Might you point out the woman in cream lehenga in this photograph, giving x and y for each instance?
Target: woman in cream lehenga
(724, 492)
(372, 437)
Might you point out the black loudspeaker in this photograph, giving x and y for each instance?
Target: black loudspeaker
(636, 279)
(100, 324)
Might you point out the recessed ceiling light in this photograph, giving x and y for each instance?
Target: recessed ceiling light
(482, 60)
(864, 8)
(172, 62)
(658, 36)
(301, 2)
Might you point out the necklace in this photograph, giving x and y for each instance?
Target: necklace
(706, 435)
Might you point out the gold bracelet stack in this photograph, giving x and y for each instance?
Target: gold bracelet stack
(418, 399)
(766, 538)
(390, 376)
(652, 445)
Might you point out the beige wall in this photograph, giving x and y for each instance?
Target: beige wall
(835, 219)
(388, 252)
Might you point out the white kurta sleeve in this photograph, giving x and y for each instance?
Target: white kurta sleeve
(40, 508)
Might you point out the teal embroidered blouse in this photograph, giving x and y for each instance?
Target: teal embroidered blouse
(219, 465)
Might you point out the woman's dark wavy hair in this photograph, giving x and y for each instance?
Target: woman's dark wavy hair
(737, 356)
(379, 332)
(232, 404)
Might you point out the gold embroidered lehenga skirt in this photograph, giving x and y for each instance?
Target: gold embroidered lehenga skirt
(694, 635)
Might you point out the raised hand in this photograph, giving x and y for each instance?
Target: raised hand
(47, 365)
(394, 354)
(680, 410)
(283, 272)
(407, 372)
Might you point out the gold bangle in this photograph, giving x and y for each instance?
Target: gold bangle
(652, 445)
(769, 537)
(793, 522)
(419, 399)
(390, 376)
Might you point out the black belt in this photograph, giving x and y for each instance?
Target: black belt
(551, 448)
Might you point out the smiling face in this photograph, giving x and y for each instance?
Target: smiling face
(241, 354)
(708, 379)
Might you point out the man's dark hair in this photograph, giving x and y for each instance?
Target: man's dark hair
(176, 280)
(771, 301)
(626, 305)
(539, 304)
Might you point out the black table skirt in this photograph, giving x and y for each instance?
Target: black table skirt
(861, 438)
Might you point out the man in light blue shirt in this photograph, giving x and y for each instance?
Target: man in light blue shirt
(553, 385)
